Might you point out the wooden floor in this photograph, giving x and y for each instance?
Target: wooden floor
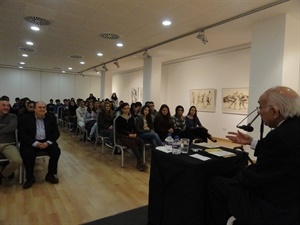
(91, 187)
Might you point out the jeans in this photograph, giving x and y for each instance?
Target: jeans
(153, 137)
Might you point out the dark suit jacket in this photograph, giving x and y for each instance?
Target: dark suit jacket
(273, 182)
(27, 129)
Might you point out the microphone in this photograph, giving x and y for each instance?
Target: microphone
(248, 127)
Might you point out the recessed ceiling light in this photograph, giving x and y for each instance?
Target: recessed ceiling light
(22, 63)
(29, 43)
(166, 23)
(119, 44)
(70, 68)
(21, 67)
(34, 28)
(63, 71)
(24, 55)
(99, 54)
(82, 63)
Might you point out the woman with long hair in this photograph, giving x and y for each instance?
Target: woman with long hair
(195, 128)
(128, 137)
(163, 122)
(72, 118)
(90, 120)
(105, 122)
(145, 129)
(179, 122)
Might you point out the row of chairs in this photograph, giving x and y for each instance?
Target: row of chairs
(83, 133)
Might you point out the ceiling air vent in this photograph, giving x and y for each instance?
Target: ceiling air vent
(76, 56)
(24, 49)
(37, 20)
(109, 36)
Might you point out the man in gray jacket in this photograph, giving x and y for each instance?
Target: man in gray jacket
(8, 126)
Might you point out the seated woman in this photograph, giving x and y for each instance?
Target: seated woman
(105, 122)
(195, 128)
(163, 122)
(179, 122)
(72, 118)
(127, 136)
(144, 127)
(90, 120)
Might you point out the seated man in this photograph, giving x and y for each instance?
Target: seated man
(38, 132)
(8, 125)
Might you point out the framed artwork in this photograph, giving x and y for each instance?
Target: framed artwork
(235, 100)
(134, 94)
(203, 99)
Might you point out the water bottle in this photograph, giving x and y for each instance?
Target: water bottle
(169, 141)
(176, 146)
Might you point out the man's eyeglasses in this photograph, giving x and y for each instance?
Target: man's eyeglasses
(258, 108)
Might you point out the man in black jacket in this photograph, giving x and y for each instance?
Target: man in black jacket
(267, 192)
(39, 132)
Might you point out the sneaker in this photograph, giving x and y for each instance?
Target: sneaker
(89, 138)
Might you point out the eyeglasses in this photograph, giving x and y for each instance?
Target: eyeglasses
(258, 108)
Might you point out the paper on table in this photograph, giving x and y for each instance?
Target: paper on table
(220, 152)
(201, 157)
(207, 145)
(163, 149)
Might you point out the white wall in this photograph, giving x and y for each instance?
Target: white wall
(223, 69)
(124, 82)
(45, 85)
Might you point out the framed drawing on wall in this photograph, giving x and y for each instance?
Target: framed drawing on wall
(235, 100)
(134, 94)
(203, 99)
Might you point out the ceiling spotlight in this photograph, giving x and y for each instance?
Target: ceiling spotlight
(202, 37)
(146, 54)
(117, 63)
(97, 71)
(104, 67)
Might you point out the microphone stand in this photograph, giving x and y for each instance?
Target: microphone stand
(249, 124)
(261, 129)
(247, 117)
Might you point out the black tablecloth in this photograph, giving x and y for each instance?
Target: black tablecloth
(177, 187)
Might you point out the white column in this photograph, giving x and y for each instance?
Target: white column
(274, 59)
(152, 80)
(106, 84)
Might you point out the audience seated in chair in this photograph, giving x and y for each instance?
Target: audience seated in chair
(145, 128)
(105, 122)
(39, 132)
(80, 113)
(163, 122)
(195, 130)
(8, 126)
(90, 120)
(127, 136)
(72, 118)
(179, 122)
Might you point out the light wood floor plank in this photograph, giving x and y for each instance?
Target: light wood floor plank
(91, 187)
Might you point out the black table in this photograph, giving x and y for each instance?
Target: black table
(178, 185)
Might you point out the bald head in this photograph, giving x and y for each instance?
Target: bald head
(285, 99)
(284, 91)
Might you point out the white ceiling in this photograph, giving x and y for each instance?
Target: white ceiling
(76, 25)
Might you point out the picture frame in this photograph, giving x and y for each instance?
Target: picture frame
(235, 100)
(203, 99)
